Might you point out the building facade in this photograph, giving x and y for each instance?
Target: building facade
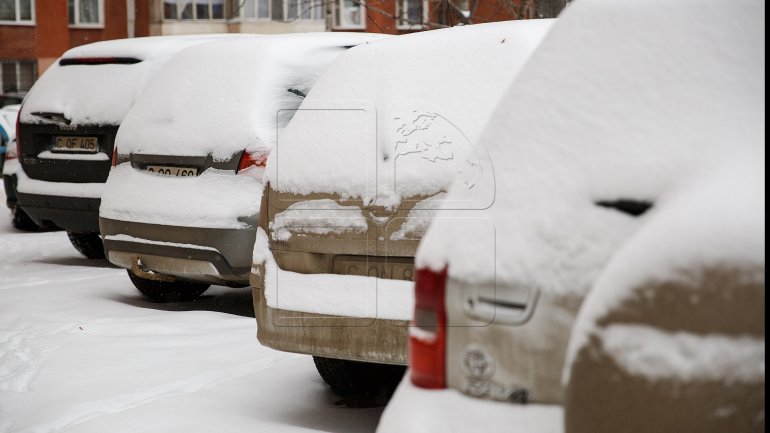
(34, 33)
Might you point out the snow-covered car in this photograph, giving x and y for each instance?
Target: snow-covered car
(672, 335)
(181, 206)
(67, 127)
(598, 137)
(7, 130)
(352, 185)
(11, 98)
(9, 165)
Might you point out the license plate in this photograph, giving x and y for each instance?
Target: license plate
(172, 171)
(68, 143)
(393, 268)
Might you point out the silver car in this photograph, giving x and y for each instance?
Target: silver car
(181, 204)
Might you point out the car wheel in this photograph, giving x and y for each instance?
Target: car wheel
(22, 221)
(167, 291)
(87, 244)
(360, 380)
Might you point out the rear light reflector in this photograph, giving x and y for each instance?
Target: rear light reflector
(251, 160)
(115, 156)
(427, 336)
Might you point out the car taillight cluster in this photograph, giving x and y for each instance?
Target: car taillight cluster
(115, 156)
(427, 336)
(251, 160)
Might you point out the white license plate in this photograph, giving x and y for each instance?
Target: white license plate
(172, 171)
(66, 143)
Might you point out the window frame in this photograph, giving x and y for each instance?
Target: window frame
(17, 21)
(77, 24)
(337, 6)
(195, 12)
(17, 65)
(269, 17)
(321, 4)
(404, 25)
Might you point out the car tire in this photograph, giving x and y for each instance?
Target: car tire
(87, 244)
(168, 291)
(360, 380)
(22, 221)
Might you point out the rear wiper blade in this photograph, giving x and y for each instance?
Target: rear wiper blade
(53, 117)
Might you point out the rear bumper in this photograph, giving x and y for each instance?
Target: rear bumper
(215, 256)
(9, 184)
(359, 339)
(74, 214)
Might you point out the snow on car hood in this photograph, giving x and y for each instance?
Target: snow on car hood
(102, 94)
(227, 96)
(605, 110)
(399, 118)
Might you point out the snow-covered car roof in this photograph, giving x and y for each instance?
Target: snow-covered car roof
(225, 96)
(404, 110)
(97, 83)
(623, 100)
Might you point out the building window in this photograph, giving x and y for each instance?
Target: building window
(17, 75)
(304, 9)
(349, 14)
(86, 12)
(17, 11)
(194, 9)
(411, 14)
(256, 9)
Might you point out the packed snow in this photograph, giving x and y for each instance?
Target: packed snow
(590, 118)
(214, 199)
(64, 189)
(82, 351)
(103, 94)
(655, 354)
(330, 294)
(419, 410)
(238, 93)
(318, 217)
(376, 129)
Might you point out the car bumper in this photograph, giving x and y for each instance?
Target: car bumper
(212, 255)
(359, 339)
(73, 214)
(413, 410)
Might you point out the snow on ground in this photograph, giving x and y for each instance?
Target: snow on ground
(82, 351)
(449, 411)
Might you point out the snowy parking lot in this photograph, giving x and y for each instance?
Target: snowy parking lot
(82, 351)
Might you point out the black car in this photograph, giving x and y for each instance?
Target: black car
(67, 128)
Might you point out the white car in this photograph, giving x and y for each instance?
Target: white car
(180, 207)
(598, 133)
(67, 127)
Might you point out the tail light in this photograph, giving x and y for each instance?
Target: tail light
(427, 336)
(248, 159)
(115, 156)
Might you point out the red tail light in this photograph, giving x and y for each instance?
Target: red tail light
(115, 156)
(255, 159)
(427, 337)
